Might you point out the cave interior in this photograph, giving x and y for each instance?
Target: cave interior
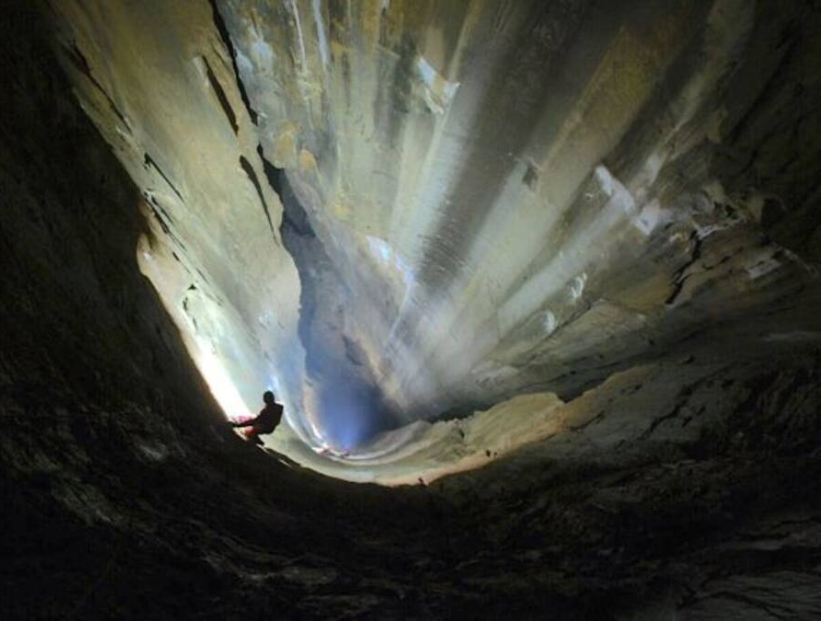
(537, 284)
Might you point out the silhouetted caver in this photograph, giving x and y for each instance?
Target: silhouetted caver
(267, 420)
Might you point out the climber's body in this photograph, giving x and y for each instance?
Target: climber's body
(267, 420)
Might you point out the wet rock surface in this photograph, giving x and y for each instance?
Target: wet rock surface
(685, 486)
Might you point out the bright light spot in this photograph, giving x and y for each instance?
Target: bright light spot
(648, 218)
(606, 181)
(320, 29)
(577, 286)
(388, 257)
(220, 383)
(549, 322)
(439, 92)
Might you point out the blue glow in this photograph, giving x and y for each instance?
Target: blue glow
(349, 411)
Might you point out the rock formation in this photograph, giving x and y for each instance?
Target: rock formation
(548, 271)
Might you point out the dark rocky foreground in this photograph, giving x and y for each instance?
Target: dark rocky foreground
(125, 496)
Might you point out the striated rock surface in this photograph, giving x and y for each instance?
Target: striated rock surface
(630, 298)
(480, 198)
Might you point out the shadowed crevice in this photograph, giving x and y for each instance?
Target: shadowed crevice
(150, 163)
(347, 400)
(221, 96)
(252, 175)
(222, 29)
(80, 62)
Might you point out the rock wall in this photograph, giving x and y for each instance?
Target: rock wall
(521, 195)
(160, 86)
(685, 486)
(89, 354)
(500, 196)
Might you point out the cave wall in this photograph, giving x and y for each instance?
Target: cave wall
(504, 196)
(98, 395)
(160, 86)
(124, 495)
(536, 194)
(93, 372)
(689, 485)
(88, 347)
(686, 487)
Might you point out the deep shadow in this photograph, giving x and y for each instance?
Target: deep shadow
(342, 393)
